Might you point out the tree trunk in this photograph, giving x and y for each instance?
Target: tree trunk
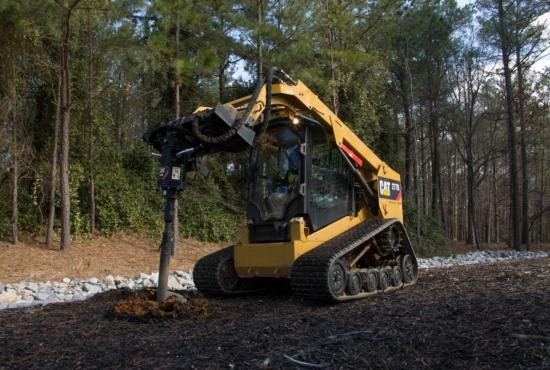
(91, 125)
(524, 170)
(515, 236)
(472, 235)
(259, 51)
(423, 170)
(542, 188)
(221, 73)
(408, 133)
(65, 126)
(53, 167)
(437, 196)
(14, 157)
(177, 107)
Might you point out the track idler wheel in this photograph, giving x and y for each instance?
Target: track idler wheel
(353, 285)
(215, 274)
(409, 269)
(227, 276)
(337, 278)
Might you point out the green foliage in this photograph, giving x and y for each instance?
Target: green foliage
(28, 214)
(431, 240)
(125, 196)
(205, 215)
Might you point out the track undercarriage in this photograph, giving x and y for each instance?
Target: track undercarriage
(372, 257)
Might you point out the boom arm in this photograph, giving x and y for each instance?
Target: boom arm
(299, 99)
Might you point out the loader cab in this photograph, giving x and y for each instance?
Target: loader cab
(296, 171)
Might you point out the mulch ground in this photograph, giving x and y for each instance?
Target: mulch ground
(492, 316)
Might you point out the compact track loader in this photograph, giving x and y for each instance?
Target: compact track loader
(324, 212)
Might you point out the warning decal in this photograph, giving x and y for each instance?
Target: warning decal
(389, 189)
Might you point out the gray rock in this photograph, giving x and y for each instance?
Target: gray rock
(9, 297)
(110, 281)
(94, 281)
(22, 304)
(130, 284)
(119, 281)
(3, 306)
(14, 289)
(27, 294)
(33, 287)
(179, 297)
(43, 296)
(186, 282)
(2, 287)
(155, 277)
(91, 288)
(174, 284)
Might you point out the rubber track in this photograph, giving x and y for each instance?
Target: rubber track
(206, 276)
(309, 274)
(205, 272)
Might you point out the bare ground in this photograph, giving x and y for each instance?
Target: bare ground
(485, 316)
(121, 254)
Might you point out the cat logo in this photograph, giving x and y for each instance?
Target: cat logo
(385, 187)
(389, 189)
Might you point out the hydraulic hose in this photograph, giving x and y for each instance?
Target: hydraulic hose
(219, 139)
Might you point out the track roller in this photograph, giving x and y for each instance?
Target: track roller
(397, 276)
(371, 280)
(384, 279)
(354, 283)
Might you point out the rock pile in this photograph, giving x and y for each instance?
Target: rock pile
(477, 257)
(25, 294)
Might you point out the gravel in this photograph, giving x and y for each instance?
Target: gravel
(478, 257)
(26, 294)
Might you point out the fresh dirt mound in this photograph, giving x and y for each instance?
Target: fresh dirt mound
(143, 306)
(483, 316)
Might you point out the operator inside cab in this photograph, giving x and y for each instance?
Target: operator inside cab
(276, 166)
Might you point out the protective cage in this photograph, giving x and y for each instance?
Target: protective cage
(297, 171)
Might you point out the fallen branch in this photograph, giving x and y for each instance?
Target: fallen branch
(351, 333)
(526, 336)
(302, 363)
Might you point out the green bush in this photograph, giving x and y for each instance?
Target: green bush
(205, 215)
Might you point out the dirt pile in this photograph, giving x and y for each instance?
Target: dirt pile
(142, 306)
